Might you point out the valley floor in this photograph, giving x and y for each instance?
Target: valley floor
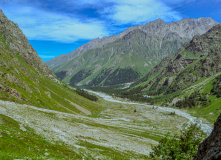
(118, 132)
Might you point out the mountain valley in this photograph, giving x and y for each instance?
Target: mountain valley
(160, 79)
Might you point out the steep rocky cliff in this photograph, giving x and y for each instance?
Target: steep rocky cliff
(134, 52)
(210, 149)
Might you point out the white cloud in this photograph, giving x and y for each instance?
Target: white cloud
(139, 11)
(38, 24)
(47, 24)
(178, 1)
(133, 11)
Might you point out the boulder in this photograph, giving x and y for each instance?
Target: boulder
(210, 148)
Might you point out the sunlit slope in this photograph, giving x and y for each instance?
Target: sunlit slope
(24, 78)
(128, 56)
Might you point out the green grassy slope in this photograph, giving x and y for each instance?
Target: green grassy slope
(22, 144)
(24, 78)
(36, 89)
(137, 52)
(210, 112)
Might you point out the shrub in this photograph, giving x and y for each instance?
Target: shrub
(86, 95)
(217, 87)
(183, 146)
(195, 99)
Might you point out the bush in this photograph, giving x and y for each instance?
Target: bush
(216, 90)
(183, 146)
(86, 95)
(195, 99)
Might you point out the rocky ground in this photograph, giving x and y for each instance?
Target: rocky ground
(129, 129)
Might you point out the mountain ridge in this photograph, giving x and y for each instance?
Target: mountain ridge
(138, 49)
(199, 46)
(101, 41)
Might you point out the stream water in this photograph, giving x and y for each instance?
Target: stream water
(204, 126)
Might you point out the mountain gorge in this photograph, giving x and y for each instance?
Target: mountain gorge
(44, 118)
(128, 56)
(189, 78)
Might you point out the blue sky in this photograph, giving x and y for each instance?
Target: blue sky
(55, 27)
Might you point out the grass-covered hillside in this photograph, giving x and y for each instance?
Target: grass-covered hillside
(124, 60)
(24, 78)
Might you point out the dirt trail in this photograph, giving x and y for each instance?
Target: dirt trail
(202, 83)
(85, 111)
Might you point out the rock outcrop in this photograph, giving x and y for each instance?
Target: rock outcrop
(13, 41)
(199, 58)
(210, 149)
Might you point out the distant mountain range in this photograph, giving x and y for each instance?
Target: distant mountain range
(128, 56)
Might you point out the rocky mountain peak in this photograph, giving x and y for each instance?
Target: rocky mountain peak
(154, 26)
(185, 28)
(194, 61)
(158, 22)
(151, 42)
(203, 43)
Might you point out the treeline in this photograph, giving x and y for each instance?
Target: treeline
(217, 87)
(107, 89)
(82, 74)
(116, 90)
(120, 76)
(195, 99)
(86, 95)
(61, 75)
